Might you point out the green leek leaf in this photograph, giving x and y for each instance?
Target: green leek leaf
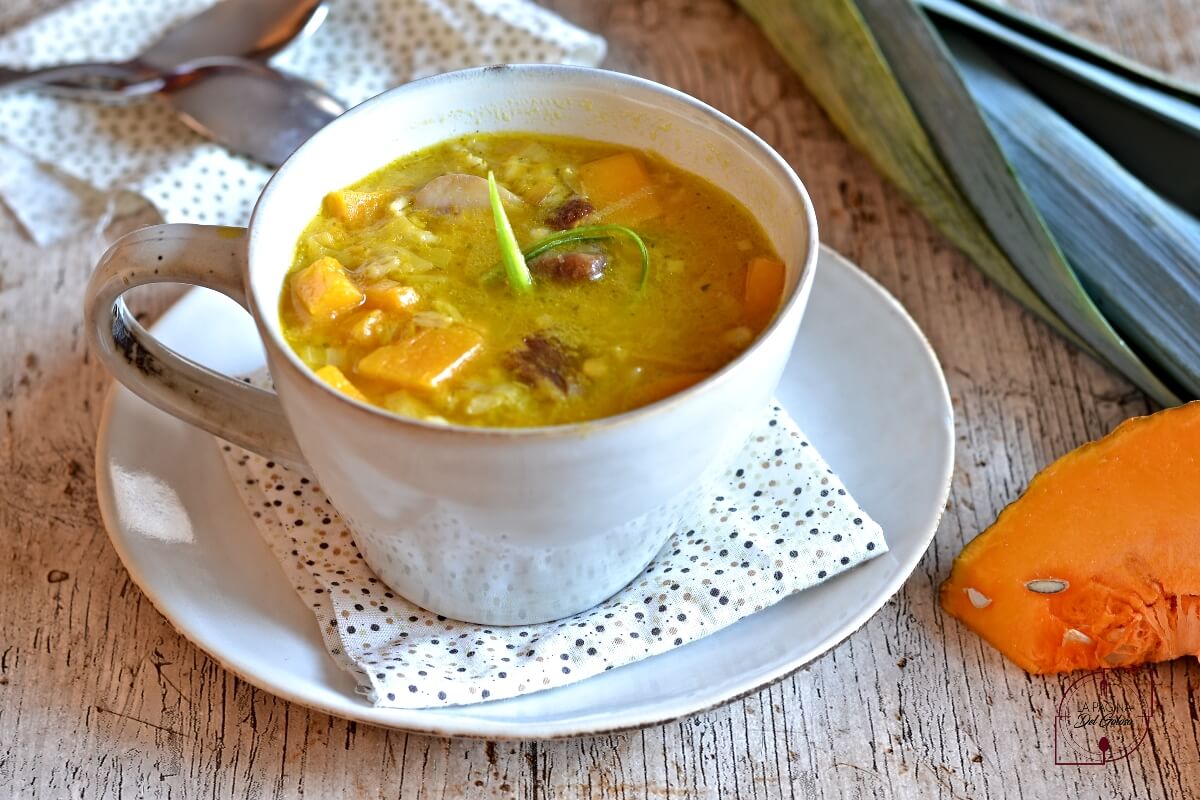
(857, 72)
(970, 151)
(1075, 48)
(828, 45)
(1138, 255)
(1146, 121)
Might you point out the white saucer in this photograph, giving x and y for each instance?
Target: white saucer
(862, 382)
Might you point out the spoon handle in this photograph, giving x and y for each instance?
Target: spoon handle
(96, 75)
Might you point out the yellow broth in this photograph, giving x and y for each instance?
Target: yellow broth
(397, 297)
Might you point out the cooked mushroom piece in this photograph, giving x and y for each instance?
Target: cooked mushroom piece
(574, 266)
(457, 191)
(570, 213)
(546, 363)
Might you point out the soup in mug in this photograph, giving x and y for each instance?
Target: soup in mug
(516, 280)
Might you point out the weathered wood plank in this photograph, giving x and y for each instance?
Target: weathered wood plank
(99, 698)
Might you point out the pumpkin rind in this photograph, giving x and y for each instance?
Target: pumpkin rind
(1118, 522)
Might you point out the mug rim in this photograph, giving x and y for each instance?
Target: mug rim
(608, 80)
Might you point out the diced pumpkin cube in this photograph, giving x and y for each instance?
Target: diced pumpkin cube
(334, 377)
(620, 189)
(428, 359)
(613, 178)
(324, 290)
(764, 288)
(392, 296)
(355, 209)
(367, 327)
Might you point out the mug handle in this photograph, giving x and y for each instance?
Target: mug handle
(200, 255)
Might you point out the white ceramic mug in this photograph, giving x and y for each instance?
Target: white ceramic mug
(498, 526)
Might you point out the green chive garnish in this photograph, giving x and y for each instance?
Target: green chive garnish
(510, 251)
(585, 233)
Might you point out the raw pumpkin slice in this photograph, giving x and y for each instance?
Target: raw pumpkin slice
(1097, 564)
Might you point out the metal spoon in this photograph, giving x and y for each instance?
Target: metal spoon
(248, 29)
(249, 107)
(91, 78)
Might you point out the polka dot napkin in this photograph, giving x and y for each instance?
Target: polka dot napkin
(777, 521)
(363, 48)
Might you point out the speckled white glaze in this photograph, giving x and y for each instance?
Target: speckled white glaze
(493, 526)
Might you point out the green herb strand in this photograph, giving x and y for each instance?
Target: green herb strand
(510, 251)
(585, 233)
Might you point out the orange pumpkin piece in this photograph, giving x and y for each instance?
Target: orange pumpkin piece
(620, 189)
(424, 361)
(1097, 564)
(355, 209)
(334, 377)
(324, 290)
(391, 295)
(764, 288)
(368, 327)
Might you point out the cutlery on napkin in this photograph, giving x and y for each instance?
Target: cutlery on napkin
(239, 29)
(363, 48)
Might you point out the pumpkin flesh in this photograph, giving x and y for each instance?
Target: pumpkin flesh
(1118, 522)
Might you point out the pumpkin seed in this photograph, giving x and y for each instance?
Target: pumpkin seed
(1047, 586)
(1076, 637)
(978, 598)
(1119, 658)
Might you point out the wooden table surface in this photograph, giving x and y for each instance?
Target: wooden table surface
(100, 698)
